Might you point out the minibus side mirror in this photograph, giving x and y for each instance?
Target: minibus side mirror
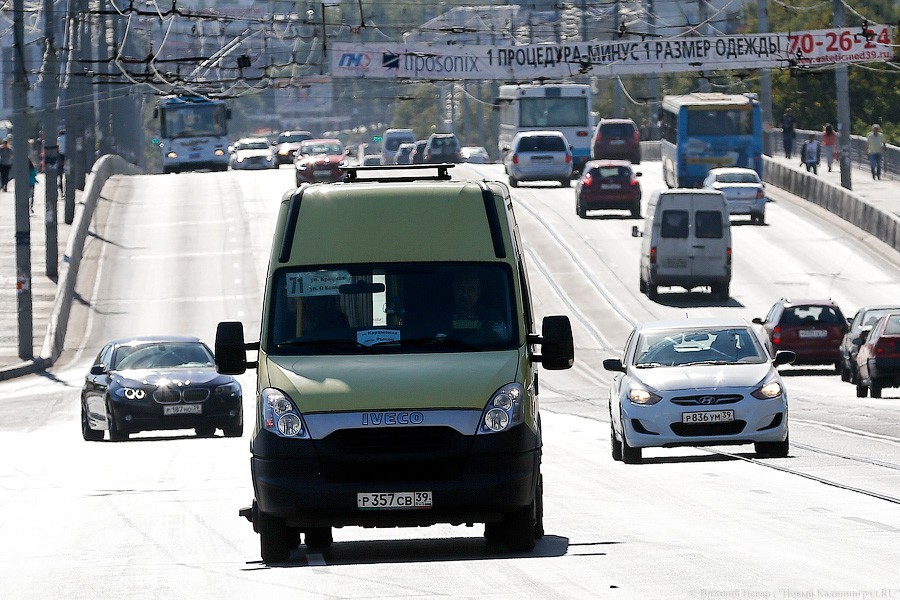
(635, 232)
(557, 345)
(231, 350)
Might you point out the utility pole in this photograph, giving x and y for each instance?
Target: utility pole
(71, 89)
(653, 78)
(765, 79)
(51, 150)
(20, 175)
(703, 29)
(618, 96)
(842, 89)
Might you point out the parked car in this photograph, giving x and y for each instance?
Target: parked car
(878, 359)
(401, 157)
(417, 156)
(860, 324)
(696, 382)
(617, 139)
(253, 153)
(287, 143)
(744, 191)
(319, 160)
(538, 156)
(475, 154)
(608, 184)
(158, 383)
(442, 148)
(811, 328)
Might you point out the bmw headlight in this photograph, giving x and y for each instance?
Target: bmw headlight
(770, 390)
(641, 395)
(280, 415)
(504, 410)
(228, 389)
(131, 393)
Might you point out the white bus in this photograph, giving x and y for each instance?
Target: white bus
(193, 133)
(565, 107)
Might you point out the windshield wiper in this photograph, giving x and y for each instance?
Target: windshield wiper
(707, 362)
(650, 365)
(433, 341)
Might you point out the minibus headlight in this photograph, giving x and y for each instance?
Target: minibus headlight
(504, 410)
(280, 415)
(172, 154)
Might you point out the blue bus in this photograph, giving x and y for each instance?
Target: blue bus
(564, 107)
(702, 131)
(193, 133)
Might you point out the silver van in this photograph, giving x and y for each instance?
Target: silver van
(686, 242)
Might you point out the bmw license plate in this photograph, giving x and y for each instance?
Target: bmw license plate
(710, 416)
(812, 333)
(393, 500)
(183, 409)
(610, 186)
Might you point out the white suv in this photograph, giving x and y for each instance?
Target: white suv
(538, 156)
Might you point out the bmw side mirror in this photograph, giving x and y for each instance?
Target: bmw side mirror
(784, 357)
(98, 370)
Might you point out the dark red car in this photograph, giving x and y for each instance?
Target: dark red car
(608, 184)
(878, 359)
(618, 139)
(812, 329)
(319, 160)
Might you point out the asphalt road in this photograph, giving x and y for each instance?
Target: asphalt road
(157, 516)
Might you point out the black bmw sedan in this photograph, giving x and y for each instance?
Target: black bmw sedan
(158, 383)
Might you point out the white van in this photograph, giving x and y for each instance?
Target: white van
(686, 242)
(391, 140)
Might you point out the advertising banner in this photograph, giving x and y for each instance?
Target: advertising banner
(610, 58)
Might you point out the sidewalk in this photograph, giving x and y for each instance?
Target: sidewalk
(43, 289)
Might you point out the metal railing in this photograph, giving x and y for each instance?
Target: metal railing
(890, 160)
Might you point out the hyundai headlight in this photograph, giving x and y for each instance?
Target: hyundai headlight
(504, 410)
(281, 416)
(768, 391)
(641, 395)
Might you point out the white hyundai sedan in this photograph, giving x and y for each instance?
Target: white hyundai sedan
(744, 191)
(697, 382)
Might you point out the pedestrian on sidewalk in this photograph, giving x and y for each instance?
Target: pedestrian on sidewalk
(6, 163)
(810, 153)
(788, 131)
(875, 148)
(829, 141)
(32, 183)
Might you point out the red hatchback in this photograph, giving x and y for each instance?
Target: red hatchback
(812, 329)
(319, 160)
(608, 184)
(618, 139)
(878, 359)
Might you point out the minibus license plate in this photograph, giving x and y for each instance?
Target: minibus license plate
(183, 409)
(710, 416)
(393, 500)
